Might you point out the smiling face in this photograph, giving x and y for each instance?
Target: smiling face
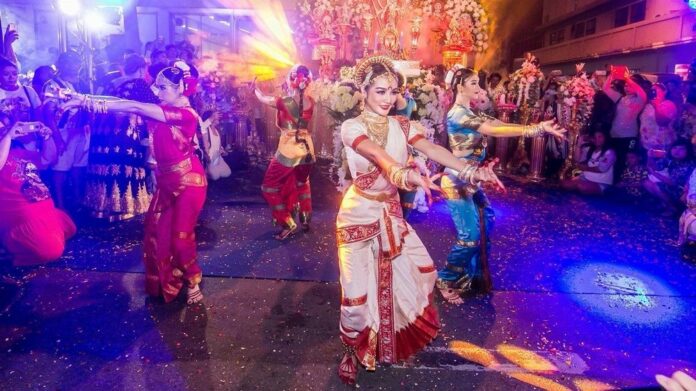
(469, 89)
(381, 95)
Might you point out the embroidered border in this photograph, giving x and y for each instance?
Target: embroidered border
(427, 269)
(365, 181)
(416, 138)
(357, 233)
(358, 140)
(394, 208)
(385, 304)
(348, 302)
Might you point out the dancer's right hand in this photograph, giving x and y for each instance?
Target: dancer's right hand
(416, 179)
(486, 174)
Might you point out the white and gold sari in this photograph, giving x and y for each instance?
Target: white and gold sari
(387, 276)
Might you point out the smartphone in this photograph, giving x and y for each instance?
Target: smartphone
(11, 27)
(619, 71)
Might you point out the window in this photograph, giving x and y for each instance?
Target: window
(621, 17)
(591, 26)
(638, 12)
(556, 37)
(578, 30)
(633, 13)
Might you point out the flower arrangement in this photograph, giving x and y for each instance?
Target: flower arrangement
(468, 21)
(430, 99)
(525, 82)
(578, 92)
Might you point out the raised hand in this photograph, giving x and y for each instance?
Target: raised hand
(552, 128)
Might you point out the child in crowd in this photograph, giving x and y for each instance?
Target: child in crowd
(633, 176)
(668, 185)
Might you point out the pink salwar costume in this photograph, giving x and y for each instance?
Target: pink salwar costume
(387, 277)
(170, 242)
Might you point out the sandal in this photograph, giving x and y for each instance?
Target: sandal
(194, 295)
(348, 368)
(305, 227)
(286, 233)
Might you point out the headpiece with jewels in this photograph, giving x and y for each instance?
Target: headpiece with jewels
(363, 71)
(299, 77)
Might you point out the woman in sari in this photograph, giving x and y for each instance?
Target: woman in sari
(471, 212)
(286, 182)
(170, 243)
(387, 277)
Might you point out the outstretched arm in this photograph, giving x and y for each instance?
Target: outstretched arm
(104, 103)
(441, 155)
(502, 129)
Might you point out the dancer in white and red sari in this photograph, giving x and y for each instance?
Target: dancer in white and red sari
(387, 276)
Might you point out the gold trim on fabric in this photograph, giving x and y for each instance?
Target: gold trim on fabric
(286, 161)
(182, 167)
(472, 243)
(379, 197)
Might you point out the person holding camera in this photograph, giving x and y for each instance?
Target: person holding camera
(630, 99)
(32, 229)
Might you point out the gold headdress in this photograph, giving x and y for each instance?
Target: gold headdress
(363, 71)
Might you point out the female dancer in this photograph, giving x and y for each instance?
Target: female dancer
(387, 276)
(470, 209)
(286, 183)
(170, 246)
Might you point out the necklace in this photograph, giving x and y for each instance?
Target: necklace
(377, 127)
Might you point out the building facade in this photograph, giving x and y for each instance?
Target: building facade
(649, 36)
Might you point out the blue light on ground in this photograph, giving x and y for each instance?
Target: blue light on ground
(692, 4)
(622, 293)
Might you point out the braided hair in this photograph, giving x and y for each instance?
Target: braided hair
(301, 87)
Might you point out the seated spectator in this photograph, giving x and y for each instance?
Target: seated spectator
(633, 176)
(668, 185)
(32, 229)
(686, 124)
(596, 163)
(687, 228)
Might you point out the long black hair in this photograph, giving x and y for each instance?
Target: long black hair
(300, 121)
(460, 76)
(592, 147)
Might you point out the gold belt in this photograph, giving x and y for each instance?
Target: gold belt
(182, 167)
(380, 197)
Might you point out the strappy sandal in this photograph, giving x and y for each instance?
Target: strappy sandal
(194, 295)
(285, 233)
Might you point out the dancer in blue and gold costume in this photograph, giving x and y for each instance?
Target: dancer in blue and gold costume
(467, 263)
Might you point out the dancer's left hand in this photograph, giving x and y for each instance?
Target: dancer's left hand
(552, 128)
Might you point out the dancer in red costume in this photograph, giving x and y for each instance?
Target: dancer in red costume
(32, 229)
(170, 244)
(286, 183)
